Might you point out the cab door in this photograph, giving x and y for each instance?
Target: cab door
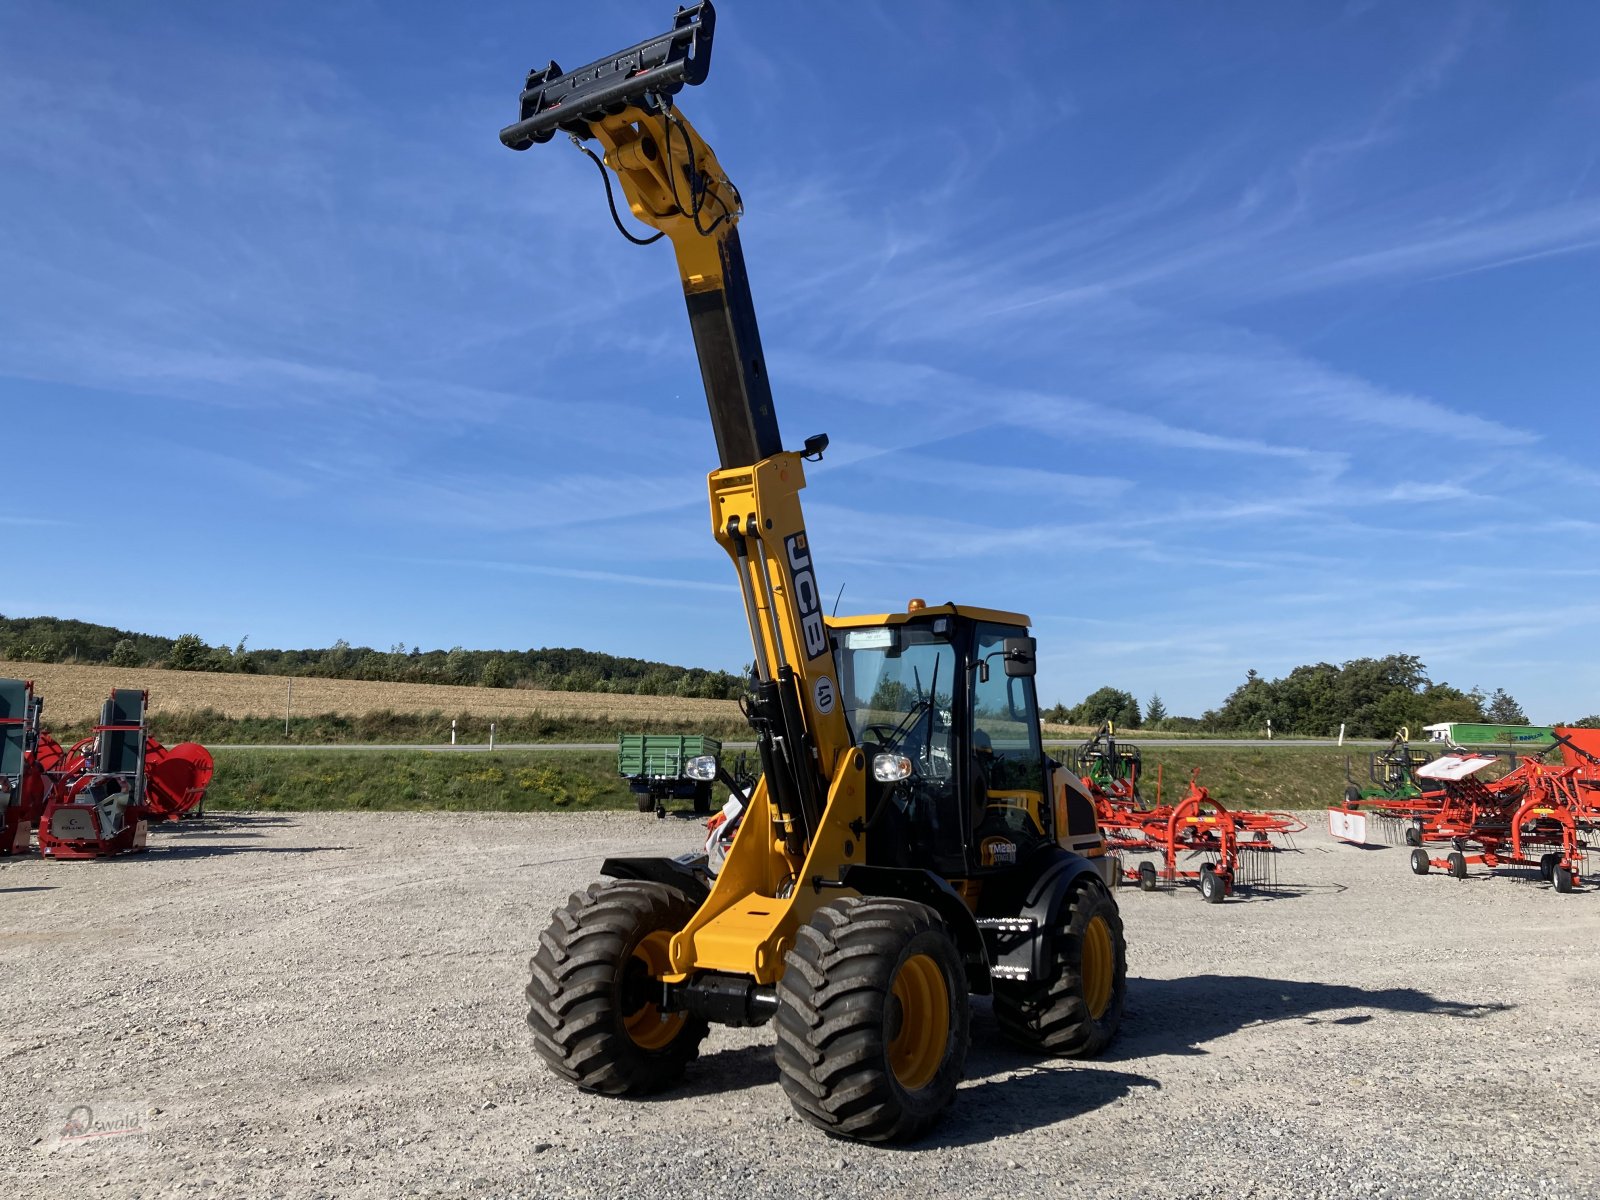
(1007, 756)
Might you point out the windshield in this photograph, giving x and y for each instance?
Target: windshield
(897, 684)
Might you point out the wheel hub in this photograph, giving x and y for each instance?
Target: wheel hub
(917, 1038)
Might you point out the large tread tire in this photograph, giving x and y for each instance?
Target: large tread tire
(588, 981)
(1054, 1015)
(840, 1015)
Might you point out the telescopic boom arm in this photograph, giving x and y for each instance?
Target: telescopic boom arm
(673, 183)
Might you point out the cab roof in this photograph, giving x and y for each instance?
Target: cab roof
(996, 615)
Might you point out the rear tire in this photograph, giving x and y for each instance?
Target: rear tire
(645, 801)
(1420, 863)
(1147, 877)
(1547, 866)
(702, 800)
(1562, 878)
(1413, 836)
(1212, 888)
(1458, 864)
(1074, 1012)
(589, 1002)
(872, 1019)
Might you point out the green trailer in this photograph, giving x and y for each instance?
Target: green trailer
(1532, 738)
(654, 765)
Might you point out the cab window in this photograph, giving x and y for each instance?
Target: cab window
(1005, 719)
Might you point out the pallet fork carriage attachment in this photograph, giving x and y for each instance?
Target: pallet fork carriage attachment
(908, 842)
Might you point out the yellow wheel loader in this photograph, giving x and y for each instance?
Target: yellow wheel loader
(908, 842)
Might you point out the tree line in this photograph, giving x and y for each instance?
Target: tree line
(53, 640)
(1371, 697)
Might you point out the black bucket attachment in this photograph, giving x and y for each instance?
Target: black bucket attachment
(657, 67)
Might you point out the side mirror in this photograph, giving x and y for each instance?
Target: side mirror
(1021, 657)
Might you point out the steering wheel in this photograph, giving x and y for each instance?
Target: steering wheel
(886, 735)
(890, 737)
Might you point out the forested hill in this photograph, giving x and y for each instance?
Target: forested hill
(53, 639)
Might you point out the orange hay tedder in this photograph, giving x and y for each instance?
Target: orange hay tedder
(1237, 849)
(100, 797)
(1537, 814)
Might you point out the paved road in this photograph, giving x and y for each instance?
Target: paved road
(1148, 743)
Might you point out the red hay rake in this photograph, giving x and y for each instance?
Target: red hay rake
(1197, 840)
(1536, 815)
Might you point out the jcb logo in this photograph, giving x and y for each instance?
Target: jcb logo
(812, 630)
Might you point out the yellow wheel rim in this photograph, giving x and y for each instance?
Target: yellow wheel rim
(1099, 967)
(648, 1026)
(916, 1051)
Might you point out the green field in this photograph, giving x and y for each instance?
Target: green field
(553, 781)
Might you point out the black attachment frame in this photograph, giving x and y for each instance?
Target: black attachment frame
(640, 75)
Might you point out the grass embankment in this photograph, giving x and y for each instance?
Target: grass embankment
(557, 781)
(411, 780)
(1247, 777)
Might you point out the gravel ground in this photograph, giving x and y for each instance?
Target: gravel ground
(330, 1005)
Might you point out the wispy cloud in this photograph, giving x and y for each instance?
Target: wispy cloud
(619, 578)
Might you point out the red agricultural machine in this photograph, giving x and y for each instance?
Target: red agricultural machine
(1235, 849)
(27, 752)
(1537, 814)
(100, 797)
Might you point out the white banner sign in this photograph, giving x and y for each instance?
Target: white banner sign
(1348, 826)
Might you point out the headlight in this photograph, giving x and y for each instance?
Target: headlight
(703, 768)
(891, 768)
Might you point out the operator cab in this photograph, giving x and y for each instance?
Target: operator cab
(942, 700)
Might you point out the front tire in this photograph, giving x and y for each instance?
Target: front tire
(590, 1002)
(1074, 1012)
(872, 1020)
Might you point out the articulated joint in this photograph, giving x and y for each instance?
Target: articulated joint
(722, 998)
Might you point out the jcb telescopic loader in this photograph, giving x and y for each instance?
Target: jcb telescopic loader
(908, 842)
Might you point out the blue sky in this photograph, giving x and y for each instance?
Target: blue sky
(1211, 336)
